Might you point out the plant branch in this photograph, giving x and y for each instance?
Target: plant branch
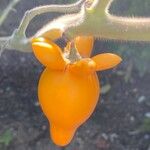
(18, 39)
(100, 6)
(125, 28)
(5, 13)
(94, 21)
(15, 42)
(62, 23)
(30, 14)
(129, 29)
(101, 24)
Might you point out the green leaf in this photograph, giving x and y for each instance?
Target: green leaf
(6, 137)
(145, 127)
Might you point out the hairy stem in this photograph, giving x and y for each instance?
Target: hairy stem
(15, 42)
(18, 39)
(132, 29)
(99, 6)
(74, 55)
(30, 14)
(101, 24)
(5, 13)
(62, 23)
(121, 28)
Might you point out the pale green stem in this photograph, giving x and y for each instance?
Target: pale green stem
(62, 23)
(101, 24)
(124, 28)
(97, 22)
(99, 6)
(129, 29)
(30, 14)
(15, 42)
(18, 39)
(5, 13)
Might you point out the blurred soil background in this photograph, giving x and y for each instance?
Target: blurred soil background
(121, 120)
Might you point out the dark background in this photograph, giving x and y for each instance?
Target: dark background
(121, 120)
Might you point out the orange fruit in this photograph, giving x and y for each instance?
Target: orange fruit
(68, 92)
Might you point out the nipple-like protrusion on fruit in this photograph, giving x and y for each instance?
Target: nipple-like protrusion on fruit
(48, 53)
(106, 61)
(84, 45)
(61, 136)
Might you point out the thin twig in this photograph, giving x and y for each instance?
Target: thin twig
(5, 13)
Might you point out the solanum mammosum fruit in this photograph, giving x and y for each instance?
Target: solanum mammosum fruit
(68, 91)
(84, 45)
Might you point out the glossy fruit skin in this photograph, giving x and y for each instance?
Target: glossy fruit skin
(68, 92)
(67, 100)
(50, 55)
(84, 44)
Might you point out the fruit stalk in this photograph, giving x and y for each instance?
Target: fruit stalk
(74, 55)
